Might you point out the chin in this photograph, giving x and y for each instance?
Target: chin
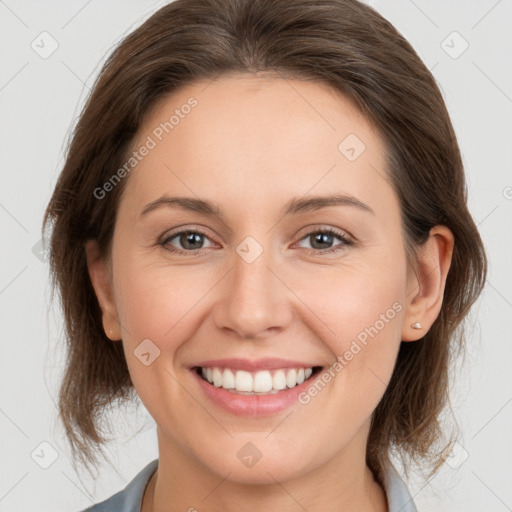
(245, 463)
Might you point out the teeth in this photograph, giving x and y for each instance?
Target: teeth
(291, 378)
(279, 380)
(228, 379)
(217, 377)
(262, 382)
(243, 381)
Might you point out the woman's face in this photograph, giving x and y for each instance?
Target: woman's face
(259, 284)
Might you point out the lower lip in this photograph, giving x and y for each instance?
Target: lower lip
(253, 405)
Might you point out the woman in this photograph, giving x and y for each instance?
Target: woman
(261, 228)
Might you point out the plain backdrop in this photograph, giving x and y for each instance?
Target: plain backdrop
(468, 47)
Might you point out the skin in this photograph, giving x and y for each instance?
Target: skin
(250, 145)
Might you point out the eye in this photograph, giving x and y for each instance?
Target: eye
(319, 238)
(191, 240)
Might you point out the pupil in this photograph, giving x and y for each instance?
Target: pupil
(190, 238)
(322, 238)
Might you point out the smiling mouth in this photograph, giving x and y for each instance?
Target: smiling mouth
(263, 382)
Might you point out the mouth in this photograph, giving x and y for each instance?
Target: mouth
(259, 383)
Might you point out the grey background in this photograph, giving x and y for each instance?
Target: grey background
(39, 101)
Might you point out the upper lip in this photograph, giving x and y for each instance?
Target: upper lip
(268, 363)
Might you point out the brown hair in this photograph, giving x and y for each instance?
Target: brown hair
(342, 43)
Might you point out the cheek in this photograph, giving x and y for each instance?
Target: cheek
(363, 311)
(159, 304)
(362, 308)
(162, 303)
(351, 299)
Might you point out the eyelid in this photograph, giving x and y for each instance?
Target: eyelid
(315, 228)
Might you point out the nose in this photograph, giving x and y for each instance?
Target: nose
(254, 301)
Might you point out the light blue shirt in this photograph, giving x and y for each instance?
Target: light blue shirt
(130, 498)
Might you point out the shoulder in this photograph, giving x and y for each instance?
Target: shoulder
(398, 495)
(130, 498)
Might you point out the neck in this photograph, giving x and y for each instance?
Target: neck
(183, 483)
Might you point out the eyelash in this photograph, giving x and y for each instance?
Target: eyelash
(329, 231)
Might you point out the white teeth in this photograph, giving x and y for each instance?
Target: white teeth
(228, 379)
(279, 380)
(217, 377)
(243, 381)
(291, 378)
(260, 382)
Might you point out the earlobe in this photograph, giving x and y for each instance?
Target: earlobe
(99, 274)
(426, 286)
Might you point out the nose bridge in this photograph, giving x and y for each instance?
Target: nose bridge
(251, 273)
(254, 300)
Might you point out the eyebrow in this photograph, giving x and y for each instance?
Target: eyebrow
(292, 207)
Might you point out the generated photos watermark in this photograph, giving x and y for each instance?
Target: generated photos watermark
(355, 348)
(157, 135)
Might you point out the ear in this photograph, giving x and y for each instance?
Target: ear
(100, 274)
(425, 286)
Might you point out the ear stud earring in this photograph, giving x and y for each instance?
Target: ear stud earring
(416, 325)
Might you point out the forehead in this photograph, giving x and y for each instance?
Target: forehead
(245, 137)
